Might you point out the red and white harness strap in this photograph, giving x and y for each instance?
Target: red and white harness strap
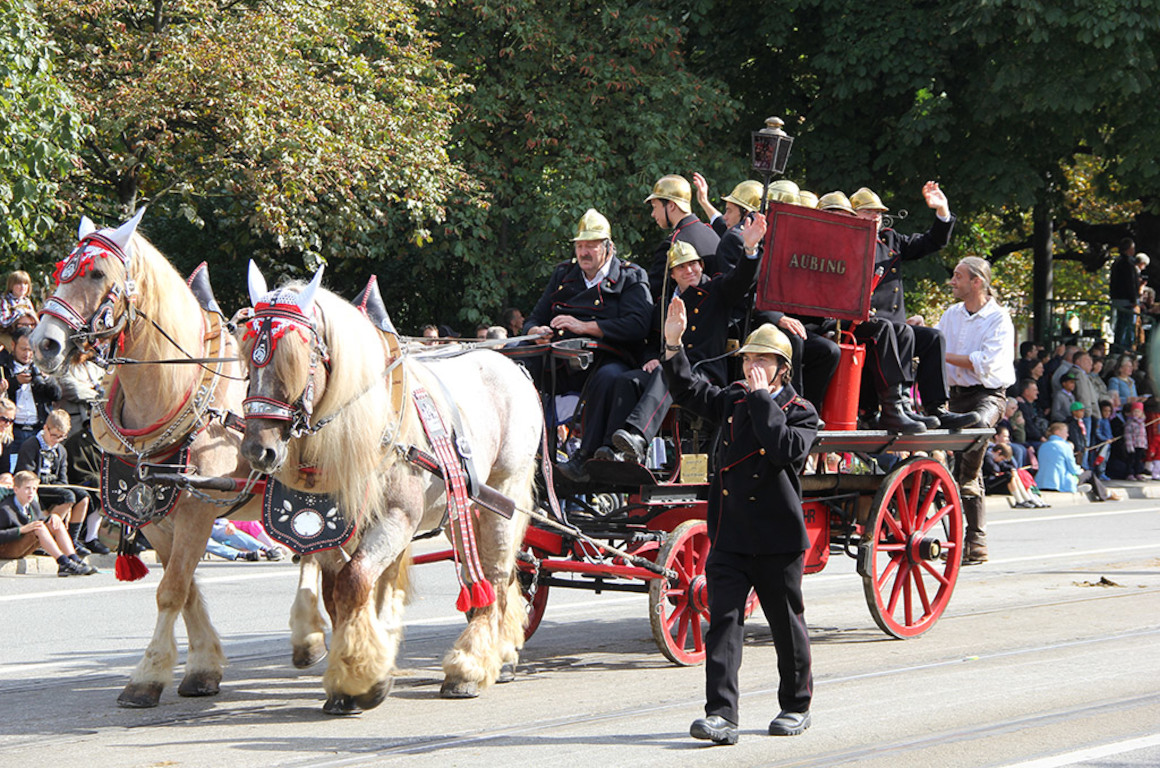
(459, 509)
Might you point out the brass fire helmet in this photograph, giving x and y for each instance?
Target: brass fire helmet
(865, 200)
(682, 253)
(835, 201)
(784, 191)
(593, 226)
(768, 340)
(807, 198)
(674, 188)
(746, 195)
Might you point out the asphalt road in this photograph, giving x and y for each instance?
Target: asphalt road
(1049, 655)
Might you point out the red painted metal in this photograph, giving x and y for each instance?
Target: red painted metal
(840, 408)
(817, 516)
(816, 263)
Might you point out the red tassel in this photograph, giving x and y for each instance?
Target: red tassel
(463, 604)
(482, 594)
(130, 568)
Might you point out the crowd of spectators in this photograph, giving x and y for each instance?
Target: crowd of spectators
(1078, 417)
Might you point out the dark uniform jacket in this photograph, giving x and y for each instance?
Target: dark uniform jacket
(887, 301)
(48, 464)
(755, 502)
(45, 390)
(11, 518)
(1124, 281)
(710, 308)
(697, 234)
(620, 304)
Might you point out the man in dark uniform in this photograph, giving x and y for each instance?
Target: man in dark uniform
(755, 522)
(671, 202)
(888, 303)
(600, 297)
(1124, 293)
(642, 398)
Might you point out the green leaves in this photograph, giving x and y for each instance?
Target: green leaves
(39, 133)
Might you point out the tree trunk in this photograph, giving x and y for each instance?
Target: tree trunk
(1042, 278)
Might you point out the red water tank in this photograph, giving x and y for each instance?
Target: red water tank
(840, 408)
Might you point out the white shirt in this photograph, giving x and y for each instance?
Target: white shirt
(603, 273)
(988, 338)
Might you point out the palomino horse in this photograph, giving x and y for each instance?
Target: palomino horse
(115, 286)
(333, 409)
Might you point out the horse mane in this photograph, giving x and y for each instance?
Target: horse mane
(164, 298)
(348, 451)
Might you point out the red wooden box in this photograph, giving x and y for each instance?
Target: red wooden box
(816, 263)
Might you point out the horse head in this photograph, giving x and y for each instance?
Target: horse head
(94, 293)
(287, 360)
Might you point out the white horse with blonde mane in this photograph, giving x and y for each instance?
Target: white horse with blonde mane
(331, 410)
(117, 288)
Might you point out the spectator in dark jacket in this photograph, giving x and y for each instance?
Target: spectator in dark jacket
(32, 391)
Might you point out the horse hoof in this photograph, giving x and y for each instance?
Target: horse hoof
(309, 656)
(341, 705)
(140, 695)
(200, 684)
(507, 673)
(459, 690)
(375, 695)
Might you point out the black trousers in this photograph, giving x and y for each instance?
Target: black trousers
(778, 582)
(640, 400)
(929, 346)
(815, 359)
(886, 368)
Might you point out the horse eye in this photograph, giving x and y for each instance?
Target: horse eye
(96, 274)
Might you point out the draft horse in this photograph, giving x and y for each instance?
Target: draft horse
(332, 409)
(116, 289)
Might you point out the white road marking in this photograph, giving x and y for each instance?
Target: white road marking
(1092, 753)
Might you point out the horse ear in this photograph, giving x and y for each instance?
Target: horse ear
(123, 234)
(257, 284)
(86, 228)
(306, 298)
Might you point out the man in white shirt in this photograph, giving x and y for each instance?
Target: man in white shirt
(980, 365)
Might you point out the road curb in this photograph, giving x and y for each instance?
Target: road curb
(42, 564)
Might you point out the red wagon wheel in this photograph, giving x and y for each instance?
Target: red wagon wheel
(679, 610)
(911, 547)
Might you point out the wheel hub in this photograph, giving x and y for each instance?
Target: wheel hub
(699, 594)
(929, 548)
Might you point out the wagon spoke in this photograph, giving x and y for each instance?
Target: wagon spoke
(892, 523)
(896, 588)
(934, 572)
(938, 517)
(920, 590)
(891, 566)
(936, 487)
(902, 504)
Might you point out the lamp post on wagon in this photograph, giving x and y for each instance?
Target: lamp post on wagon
(769, 153)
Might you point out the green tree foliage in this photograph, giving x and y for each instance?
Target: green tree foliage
(293, 130)
(40, 133)
(998, 100)
(573, 105)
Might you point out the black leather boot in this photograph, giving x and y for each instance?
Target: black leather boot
(892, 418)
(930, 422)
(950, 420)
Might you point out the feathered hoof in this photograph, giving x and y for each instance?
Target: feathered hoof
(461, 689)
(507, 673)
(309, 655)
(376, 695)
(341, 705)
(200, 684)
(140, 695)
